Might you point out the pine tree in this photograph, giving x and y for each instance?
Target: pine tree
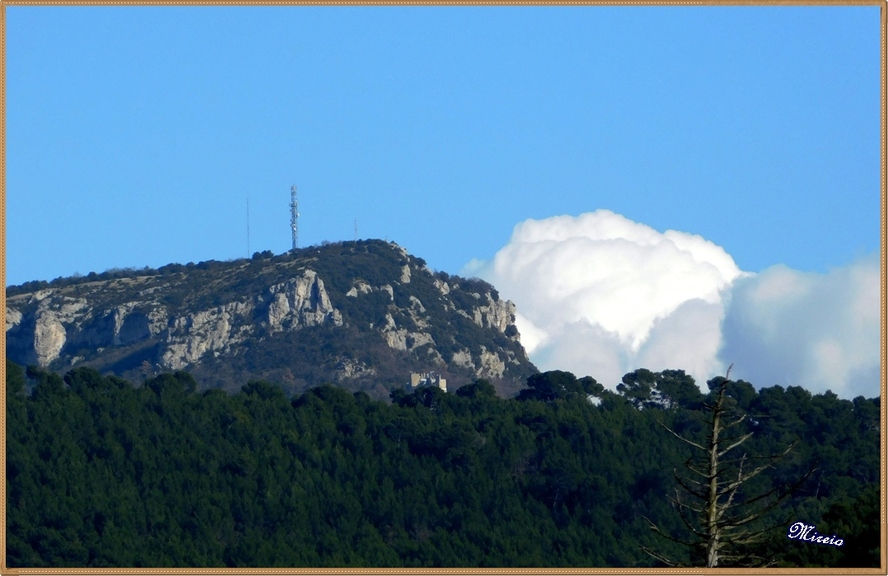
(723, 523)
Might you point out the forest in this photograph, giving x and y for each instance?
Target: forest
(104, 473)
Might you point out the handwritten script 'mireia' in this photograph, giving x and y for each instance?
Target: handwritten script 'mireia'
(802, 531)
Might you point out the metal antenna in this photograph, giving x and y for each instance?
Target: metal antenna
(294, 216)
(356, 230)
(248, 226)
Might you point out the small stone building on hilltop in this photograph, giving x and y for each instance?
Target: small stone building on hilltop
(427, 379)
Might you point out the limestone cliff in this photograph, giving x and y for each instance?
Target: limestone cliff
(318, 314)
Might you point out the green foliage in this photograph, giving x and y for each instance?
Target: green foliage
(666, 389)
(638, 387)
(478, 389)
(104, 474)
(558, 385)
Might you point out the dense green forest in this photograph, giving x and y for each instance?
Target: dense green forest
(102, 473)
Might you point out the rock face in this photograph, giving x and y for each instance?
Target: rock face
(318, 314)
(301, 301)
(49, 337)
(208, 331)
(498, 315)
(45, 325)
(492, 366)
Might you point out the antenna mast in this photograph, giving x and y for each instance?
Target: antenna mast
(294, 216)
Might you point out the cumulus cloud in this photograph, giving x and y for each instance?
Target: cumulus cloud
(599, 294)
(818, 331)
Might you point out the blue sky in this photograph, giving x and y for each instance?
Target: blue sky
(136, 136)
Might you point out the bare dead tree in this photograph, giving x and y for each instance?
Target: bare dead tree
(720, 524)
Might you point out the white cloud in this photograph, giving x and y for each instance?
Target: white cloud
(687, 339)
(602, 295)
(818, 331)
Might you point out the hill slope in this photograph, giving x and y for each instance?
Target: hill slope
(104, 474)
(362, 315)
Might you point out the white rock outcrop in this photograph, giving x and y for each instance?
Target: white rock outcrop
(213, 330)
(301, 301)
(359, 288)
(350, 369)
(131, 324)
(401, 339)
(498, 314)
(416, 304)
(491, 366)
(463, 359)
(13, 318)
(395, 337)
(417, 339)
(50, 334)
(49, 337)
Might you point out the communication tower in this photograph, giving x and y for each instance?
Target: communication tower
(294, 216)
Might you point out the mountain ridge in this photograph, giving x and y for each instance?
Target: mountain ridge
(361, 315)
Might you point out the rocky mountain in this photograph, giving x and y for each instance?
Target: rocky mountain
(362, 315)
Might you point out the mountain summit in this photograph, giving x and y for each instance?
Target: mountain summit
(363, 315)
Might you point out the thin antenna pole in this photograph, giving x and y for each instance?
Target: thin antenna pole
(248, 226)
(294, 216)
(356, 230)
